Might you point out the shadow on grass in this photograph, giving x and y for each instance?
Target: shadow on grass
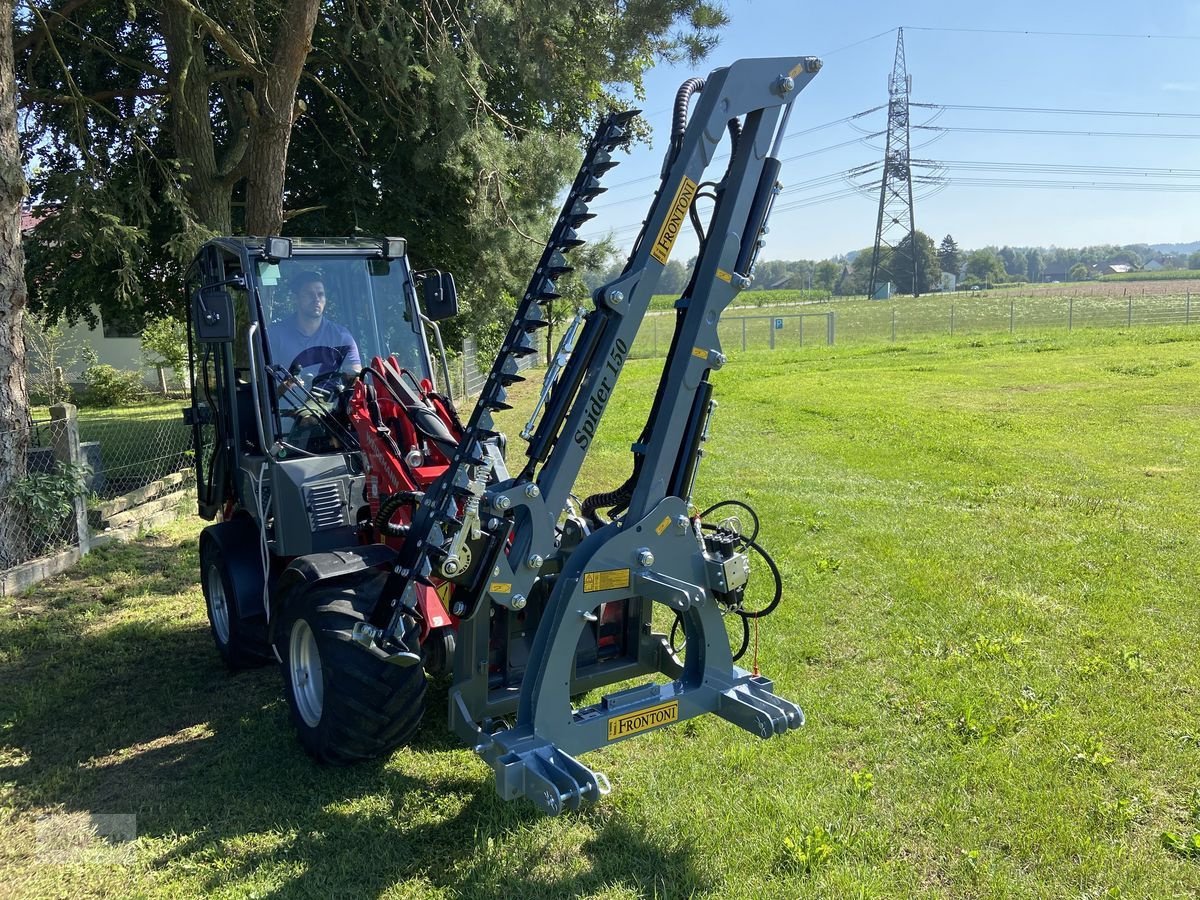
(122, 706)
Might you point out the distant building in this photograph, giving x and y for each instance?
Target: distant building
(1056, 272)
(1153, 266)
(1115, 269)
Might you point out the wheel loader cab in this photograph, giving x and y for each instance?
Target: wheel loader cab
(269, 415)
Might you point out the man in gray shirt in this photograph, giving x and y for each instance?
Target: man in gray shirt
(306, 344)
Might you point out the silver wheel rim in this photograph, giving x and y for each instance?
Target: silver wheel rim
(217, 604)
(304, 667)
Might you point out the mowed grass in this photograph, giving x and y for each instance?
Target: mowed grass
(989, 552)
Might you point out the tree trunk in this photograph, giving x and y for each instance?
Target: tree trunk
(188, 84)
(271, 121)
(14, 402)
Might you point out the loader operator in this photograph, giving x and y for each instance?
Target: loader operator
(307, 345)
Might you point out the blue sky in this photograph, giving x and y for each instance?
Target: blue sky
(1143, 74)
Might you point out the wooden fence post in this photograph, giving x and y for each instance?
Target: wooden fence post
(65, 436)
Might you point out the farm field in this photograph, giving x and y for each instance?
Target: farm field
(1029, 310)
(989, 551)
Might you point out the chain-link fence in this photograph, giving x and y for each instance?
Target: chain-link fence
(468, 371)
(131, 449)
(82, 473)
(41, 501)
(1009, 311)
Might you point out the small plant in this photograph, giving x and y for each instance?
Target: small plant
(827, 564)
(807, 851)
(1117, 816)
(1091, 755)
(43, 502)
(1132, 661)
(970, 859)
(970, 728)
(862, 782)
(1188, 848)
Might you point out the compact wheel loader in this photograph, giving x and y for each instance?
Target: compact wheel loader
(366, 537)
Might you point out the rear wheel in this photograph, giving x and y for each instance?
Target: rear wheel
(240, 642)
(347, 705)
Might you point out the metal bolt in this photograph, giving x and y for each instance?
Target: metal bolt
(532, 491)
(784, 84)
(450, 566)
(742, 281)
(534, 562)
(518, 601)
(458, 608)
(718, 360)
(681, 522)
(645, 557)
(502, 503)
(615, 297)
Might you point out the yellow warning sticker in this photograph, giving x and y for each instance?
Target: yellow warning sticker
(797, 69)
(699, 353)
(608, 580)
(643, 720)
(500, 587)
(443, 591)
(684, 196)
(724, 276)
(662, 526)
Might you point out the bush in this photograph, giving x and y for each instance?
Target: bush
(44, 504)
(107, 385)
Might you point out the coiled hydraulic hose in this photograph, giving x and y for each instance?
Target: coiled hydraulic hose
(388, 507)
(744, 542)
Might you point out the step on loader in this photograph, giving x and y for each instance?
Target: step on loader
(366, 537)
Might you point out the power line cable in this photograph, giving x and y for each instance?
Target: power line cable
(1132, 134)
(1029, 32)
(1055, 111)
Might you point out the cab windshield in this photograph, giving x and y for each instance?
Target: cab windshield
(327, 314)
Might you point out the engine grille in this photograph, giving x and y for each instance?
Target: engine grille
(326, 505)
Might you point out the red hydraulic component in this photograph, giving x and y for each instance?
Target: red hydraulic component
(405, 431)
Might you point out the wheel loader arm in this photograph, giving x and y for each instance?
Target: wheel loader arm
(654, 550)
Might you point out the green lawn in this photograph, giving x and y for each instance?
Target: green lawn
(989, 549)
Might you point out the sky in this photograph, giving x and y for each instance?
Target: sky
(971, 66)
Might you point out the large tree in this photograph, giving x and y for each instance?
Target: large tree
(13, 398)
(928, 271)
(453, 123)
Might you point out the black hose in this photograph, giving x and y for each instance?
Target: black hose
(682, 98)
(770, 607)
(388, 507)
(740, 504)
(741, 650)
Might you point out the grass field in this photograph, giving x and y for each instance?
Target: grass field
(990, 557)
(1028, 310)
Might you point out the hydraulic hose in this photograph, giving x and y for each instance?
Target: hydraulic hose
(388, 507)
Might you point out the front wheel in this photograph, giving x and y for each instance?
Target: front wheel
(347, 705)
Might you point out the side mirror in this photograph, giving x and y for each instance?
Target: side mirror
(440, 296)
(212, 316)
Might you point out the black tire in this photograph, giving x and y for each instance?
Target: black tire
(366, 707)
(242, 643)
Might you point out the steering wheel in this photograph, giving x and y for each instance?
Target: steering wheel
(329, 360)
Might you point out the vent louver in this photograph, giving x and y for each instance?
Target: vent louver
(326, 504)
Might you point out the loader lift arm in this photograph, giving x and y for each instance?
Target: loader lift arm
(654, 551)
